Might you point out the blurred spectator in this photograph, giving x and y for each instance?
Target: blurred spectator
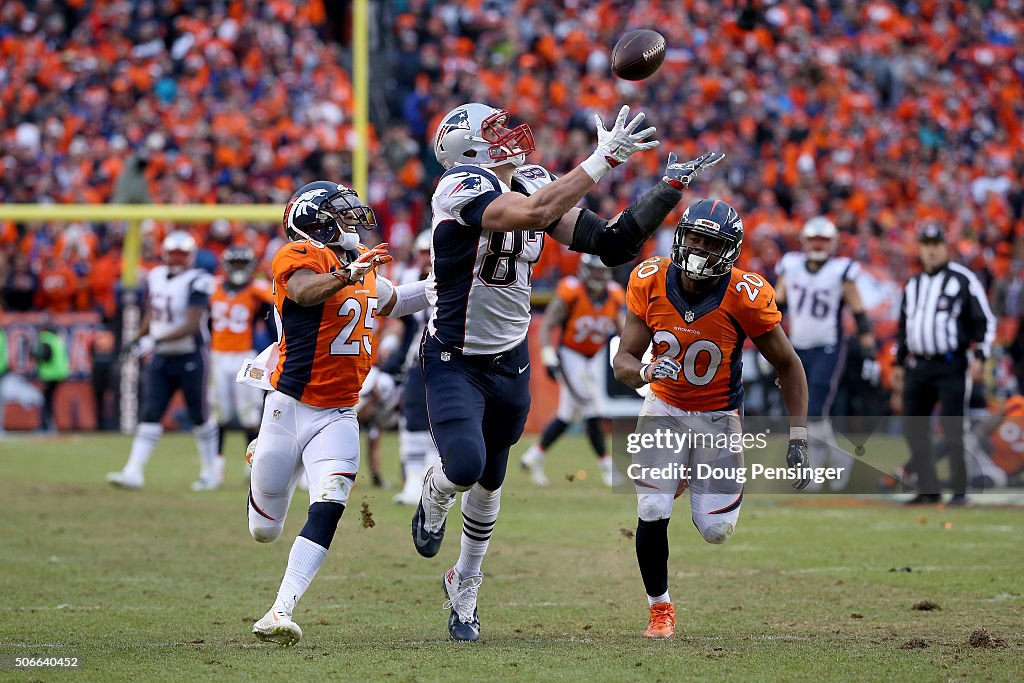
(105, 379)
(53, 365)
(20, 285)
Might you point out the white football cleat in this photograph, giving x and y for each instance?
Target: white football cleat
(206, 484)
(533, 460)
(125, 480)
(277, 626)
(462, 593)
(607, 472)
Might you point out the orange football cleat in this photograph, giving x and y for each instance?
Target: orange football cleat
(663, 621)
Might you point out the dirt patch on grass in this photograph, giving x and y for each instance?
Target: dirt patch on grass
(982, 638)
(926, 606)
(914, 644)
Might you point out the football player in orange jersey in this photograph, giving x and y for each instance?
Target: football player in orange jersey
(237, 303)
(326, 294)
(588, 310)
(697, 310)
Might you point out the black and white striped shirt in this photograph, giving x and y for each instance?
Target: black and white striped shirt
(943, 313)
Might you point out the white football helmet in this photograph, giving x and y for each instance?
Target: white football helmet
(179, 251)
(476, 134)
(819, 226)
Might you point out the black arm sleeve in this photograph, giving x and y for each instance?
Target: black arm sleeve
(621, 241)
(901, 337)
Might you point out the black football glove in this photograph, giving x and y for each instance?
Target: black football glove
(680, 175)
(796, 457)
(552, 365)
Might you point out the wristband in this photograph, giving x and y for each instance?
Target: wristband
(548, 356)
(596, 166)
(643, 373)
(798, 433)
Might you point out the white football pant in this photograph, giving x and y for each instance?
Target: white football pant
(295, 437)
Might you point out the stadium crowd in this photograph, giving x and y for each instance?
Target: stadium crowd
(883, 115)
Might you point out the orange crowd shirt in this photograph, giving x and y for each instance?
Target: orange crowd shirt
(325, 350)
(705, 336)
(589, 323)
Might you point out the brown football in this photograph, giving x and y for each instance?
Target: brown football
(638, 54)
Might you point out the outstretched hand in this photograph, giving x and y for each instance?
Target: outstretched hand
(680, 175)
(371, 260)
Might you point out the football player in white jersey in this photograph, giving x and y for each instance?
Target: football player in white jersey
(490, 215)
(175, 332)
(814, 287)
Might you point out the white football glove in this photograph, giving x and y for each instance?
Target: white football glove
(680, 175)
(142, 347)
(357, 270)
(661, 368)
(618, 144)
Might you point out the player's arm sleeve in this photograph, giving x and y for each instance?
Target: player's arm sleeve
(620, 240)
(852, 272)
(761, 315)
(464, 194)
(402, 300)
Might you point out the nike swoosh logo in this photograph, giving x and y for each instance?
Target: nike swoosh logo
(300, 251)
(523, 369)
(716, 419)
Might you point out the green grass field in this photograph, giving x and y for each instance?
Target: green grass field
(165, 584)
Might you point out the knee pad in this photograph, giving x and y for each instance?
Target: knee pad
(717, 532)
(650, 507)
(322, 523)
(265, 531)
(335, 488)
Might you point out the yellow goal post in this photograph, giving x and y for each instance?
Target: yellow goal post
(131, 255)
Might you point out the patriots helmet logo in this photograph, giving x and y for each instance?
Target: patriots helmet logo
(470, 182)
(460, 119)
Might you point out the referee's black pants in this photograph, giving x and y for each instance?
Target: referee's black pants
(929, 381)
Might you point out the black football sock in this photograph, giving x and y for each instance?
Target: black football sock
(596, 436)
(652, 555)
(551, 433)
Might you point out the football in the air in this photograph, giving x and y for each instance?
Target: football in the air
(638, 54)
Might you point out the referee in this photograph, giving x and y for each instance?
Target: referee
(945, 335)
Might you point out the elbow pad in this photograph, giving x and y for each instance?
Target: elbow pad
(622, 241)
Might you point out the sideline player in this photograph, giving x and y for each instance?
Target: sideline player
(326, 293)
(490, 215)
(174, 332)
(587, 308)
(697, 310)
(237, 303)
(415, 446)
(813, 288)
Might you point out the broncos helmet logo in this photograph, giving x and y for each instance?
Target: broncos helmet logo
(304, 204)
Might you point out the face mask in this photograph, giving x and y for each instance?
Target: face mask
(349, 240)
(817, 255)
(237, 277)
(693, 266)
